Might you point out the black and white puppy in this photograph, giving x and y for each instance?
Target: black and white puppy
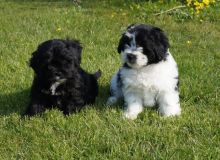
(149, 75)
(59, 80)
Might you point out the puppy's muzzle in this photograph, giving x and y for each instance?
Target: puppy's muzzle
(131, 58)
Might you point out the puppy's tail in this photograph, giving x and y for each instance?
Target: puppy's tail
(97, 74)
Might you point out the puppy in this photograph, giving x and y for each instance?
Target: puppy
(149, 74)
(59, 80)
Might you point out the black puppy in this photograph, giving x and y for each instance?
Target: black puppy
(59, 80)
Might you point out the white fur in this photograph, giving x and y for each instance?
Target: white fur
(147, 86)
(138, 52)
(135, 50)
(55, 85)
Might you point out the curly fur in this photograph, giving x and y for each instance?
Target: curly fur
(59, 80)
(149, 75)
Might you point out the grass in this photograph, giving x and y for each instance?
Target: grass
(99, 132)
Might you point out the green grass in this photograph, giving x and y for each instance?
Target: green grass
(99, 132)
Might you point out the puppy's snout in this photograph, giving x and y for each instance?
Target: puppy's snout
(131, 58)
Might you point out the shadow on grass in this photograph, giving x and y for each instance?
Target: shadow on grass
(104, 93)
(18, 101)
(14, 102)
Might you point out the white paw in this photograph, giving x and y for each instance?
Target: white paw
(128, 115)
(170, 111)
(111, 101)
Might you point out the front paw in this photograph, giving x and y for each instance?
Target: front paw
(34, 109)
(129, 115)
(170, 111)
(111, 101)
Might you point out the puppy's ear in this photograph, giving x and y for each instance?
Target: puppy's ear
(122, 42)
(34, 62)
(120, 45)
(97, 74)
(161, 43)
(74, 45)
(131, 26)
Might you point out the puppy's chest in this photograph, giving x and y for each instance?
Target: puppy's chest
(139, 80)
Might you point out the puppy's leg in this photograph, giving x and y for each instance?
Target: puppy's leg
(111, 100)
(134, 106)
(115, 90)
(70, 108)
(34, 108)
(169, 104)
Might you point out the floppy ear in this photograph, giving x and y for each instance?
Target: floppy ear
(74, 45)
(131, 26)
(161, 43)
(97, 74)
(122, 42)
(125, 39)
(120, 45)
(34, 62)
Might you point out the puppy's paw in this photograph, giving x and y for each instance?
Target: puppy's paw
(170, 111)
(111, 101)
(129, 115)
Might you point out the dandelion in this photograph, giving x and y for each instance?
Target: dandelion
(189, 42)
(58, 29)
(206, 2)
(198, 5)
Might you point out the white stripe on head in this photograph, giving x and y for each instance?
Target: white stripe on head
(132, 37)
(128, 34)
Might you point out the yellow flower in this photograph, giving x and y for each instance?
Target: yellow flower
(58, 29)
(198, 5)
(189, 42)
(206, 2)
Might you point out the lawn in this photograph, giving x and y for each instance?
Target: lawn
(100, 132)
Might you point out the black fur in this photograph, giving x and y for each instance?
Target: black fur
(152, 39)
(119, 80)
(177, 84)
(58, 61)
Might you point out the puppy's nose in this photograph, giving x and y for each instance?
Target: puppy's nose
(131, 58)
(57, 74)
